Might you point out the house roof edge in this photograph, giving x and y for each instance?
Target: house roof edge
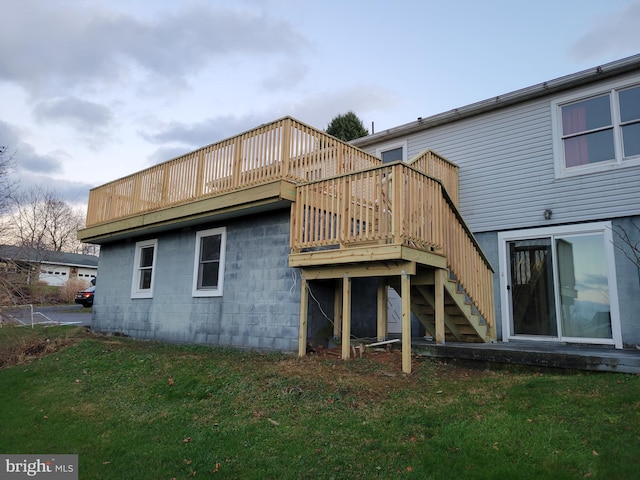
(590, 75)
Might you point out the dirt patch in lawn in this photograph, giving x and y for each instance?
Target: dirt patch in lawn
(390, 358)
(18, 346)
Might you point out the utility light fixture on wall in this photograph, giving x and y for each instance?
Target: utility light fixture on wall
(547, 214)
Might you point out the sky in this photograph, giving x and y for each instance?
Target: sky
(93, 90)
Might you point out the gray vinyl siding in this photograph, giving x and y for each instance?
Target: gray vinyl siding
(507, 172)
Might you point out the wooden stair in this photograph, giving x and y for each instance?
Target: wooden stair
(462, 321)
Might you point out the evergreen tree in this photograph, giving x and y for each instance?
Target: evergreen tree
(347, 127)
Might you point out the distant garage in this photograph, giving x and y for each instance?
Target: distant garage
(52, 268)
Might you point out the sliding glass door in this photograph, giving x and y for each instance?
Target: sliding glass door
(558, 284)
(531, 287)
(583, 286)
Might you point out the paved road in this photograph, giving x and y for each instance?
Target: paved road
(75, 314)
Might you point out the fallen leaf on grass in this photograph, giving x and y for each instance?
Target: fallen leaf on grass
(187, 440)
(409, 469)
(275, 422)
(217, 469)
(171, 381)
(495, 446)
(594, 453)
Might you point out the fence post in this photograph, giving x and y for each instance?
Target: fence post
(286, 147)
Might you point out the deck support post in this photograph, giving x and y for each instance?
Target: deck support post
(337, 309)
(346, 318)
(405, 294)
(439, 305)
(304, 311)
(383, 320)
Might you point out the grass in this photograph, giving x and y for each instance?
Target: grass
(144, 410)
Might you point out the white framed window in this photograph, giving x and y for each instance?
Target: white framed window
(208, 265)
(597, 130)
(144, 266)
(392, 152)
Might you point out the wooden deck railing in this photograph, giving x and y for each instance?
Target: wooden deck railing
(285, 149)
(434, 165)
(392, 204)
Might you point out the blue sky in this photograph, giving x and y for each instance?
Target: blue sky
(92, 90)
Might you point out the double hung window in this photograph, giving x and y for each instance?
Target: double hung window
(144, 269)
(600, 131)
(209, 263)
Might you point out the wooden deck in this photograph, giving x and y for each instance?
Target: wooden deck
(398, 224)
(350, 216)
(285, 150)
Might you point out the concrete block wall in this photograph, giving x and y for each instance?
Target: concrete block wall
(259, 309)
(628, 278)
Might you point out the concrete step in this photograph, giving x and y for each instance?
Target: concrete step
(545, 355)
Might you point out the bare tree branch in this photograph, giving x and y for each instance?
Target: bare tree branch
(40, 220)
(629, 248)
(7, 184)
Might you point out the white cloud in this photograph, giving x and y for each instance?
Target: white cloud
(25, 155)
(611, 35)
(83, 115)
(202, 133)
(52, 46)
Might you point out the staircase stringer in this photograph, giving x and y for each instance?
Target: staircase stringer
(460, 300)
(448, 320)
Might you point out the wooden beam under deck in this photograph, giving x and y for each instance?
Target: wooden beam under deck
(304, 313)
(366, 270)
(358, 255)
(405, 281)
(381, 261)
(382, 312)
(346, 318)
(439, 306)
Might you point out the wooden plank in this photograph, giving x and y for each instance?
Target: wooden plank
(424, 258)
(304, 312)
(237, 162)
(370, 269)
(382, 310)
(439, 307)
(405, 293)
(337, 309)
(346, 318)
(200, 174)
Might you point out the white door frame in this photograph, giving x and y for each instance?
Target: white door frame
(505, 297)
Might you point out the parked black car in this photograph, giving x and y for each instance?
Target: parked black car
(85, 297)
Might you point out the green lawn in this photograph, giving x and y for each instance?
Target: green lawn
(142, 410)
